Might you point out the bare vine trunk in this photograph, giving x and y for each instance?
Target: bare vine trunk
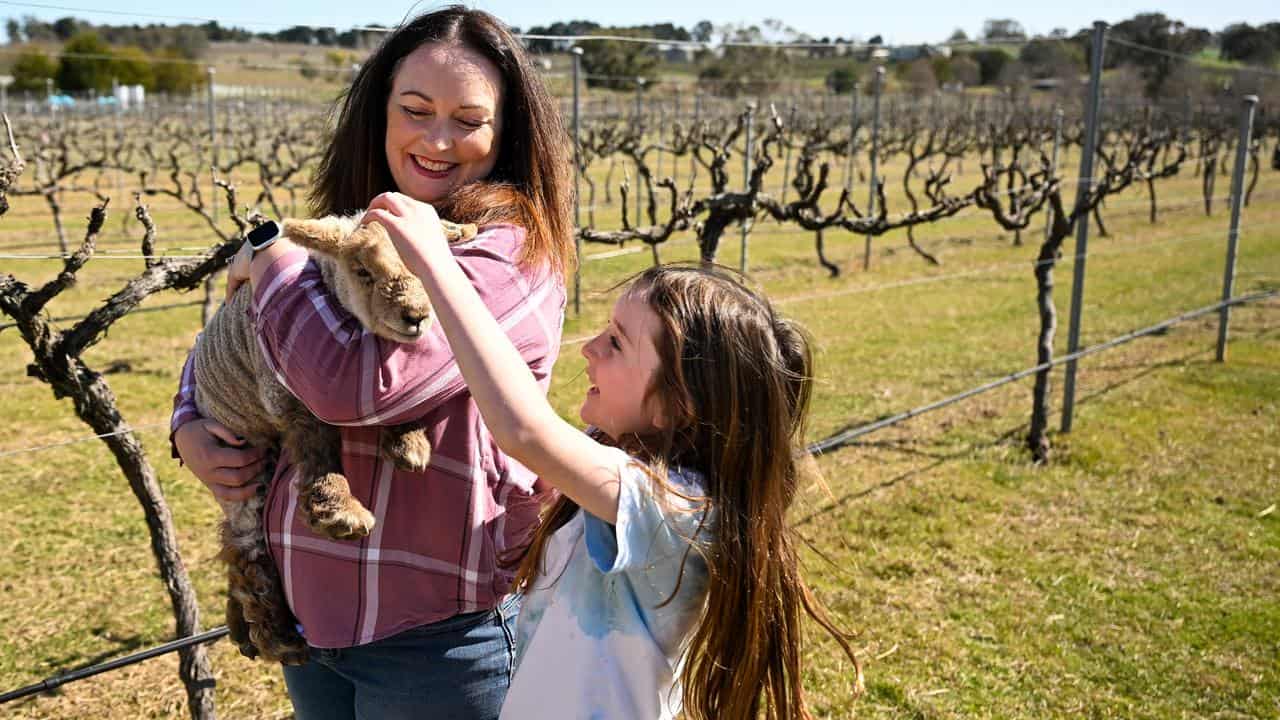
(98, 409)
(822, 257)
(210, 304)
(709, 237)
(1207, 183)
(1151, 196)
(95, 404)
(608, 182)
(57, 361)
(1037, 436)
(55, 209)
(912, 164)
(591, 199)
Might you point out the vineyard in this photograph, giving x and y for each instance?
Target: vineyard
(987, 563)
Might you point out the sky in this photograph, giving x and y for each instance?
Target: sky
(898, 23)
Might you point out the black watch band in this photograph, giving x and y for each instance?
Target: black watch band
(263, 236)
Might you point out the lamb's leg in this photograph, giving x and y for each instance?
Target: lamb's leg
(239, 529)
(258, 615)
(269, 628)
(407, 446)
(238, 627)
(323, 493)
(272, 626)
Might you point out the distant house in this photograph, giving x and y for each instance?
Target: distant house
(907, 53)
(679, 54)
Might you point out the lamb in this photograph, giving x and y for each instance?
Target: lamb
(235, 387)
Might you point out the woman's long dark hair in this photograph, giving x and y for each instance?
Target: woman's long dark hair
(534, 164)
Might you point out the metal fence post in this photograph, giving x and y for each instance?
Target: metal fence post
(853, 135)
(875, 159)
(115, 95)
(786, 164)
(207, 310)
(1186, 116)
(746, 184)
(1083, 188)
(675, 159)
(213, 150)
(577, 180)
(697, 118)
(1233, 236)
(662, 136)
(1053, 166)
(635, 193)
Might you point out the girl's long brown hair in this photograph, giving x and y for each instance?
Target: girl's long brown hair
(735, 381)
(533, 173)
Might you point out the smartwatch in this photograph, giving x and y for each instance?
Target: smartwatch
(263, 236)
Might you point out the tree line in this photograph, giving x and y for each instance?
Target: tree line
(1004, 54)
(88, 62)
(190, 39)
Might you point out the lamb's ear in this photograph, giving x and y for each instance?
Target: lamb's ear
(376, 250)
(327, 235)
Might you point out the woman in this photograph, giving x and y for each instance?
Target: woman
(416, 619)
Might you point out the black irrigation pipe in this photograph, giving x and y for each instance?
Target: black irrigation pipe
(844, 438)
(818, 448)
(157, 308)
(82, 673)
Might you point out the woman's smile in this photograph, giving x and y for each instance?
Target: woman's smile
(431, 168)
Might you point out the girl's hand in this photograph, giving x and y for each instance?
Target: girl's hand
(222, 461)
(414, 228)
(238, 270)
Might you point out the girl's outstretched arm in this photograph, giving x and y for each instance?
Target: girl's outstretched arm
(523, 423)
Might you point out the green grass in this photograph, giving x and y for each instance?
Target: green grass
(1134, 577)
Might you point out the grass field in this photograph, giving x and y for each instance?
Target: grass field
(1134, 577)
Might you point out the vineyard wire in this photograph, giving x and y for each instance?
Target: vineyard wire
(73, 441)
(843, 438)
(1190, 59)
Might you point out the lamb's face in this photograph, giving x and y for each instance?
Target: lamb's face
(367, 276)
(389, 300)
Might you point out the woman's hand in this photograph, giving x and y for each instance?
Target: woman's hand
(414, 228)
(222, 461)
(238, 270)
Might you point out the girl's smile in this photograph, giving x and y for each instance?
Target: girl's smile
(621, 364)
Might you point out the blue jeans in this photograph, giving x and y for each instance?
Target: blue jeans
(456, 668)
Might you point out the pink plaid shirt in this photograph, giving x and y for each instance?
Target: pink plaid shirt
(434, 550)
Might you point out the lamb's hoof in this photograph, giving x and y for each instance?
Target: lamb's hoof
(409, 451)
(339, 518)
(332, 511)
(298, 657)
(350, 523)
(292, 651)
(247, 649)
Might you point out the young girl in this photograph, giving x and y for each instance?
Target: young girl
(664, 581)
